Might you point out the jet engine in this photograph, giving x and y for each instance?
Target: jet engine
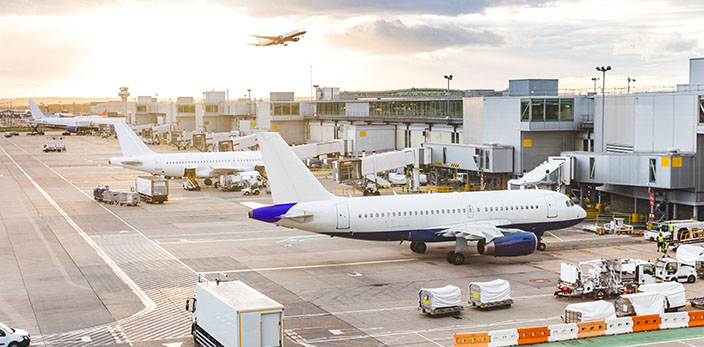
(295, 39)
(72, 128)
(511, 245)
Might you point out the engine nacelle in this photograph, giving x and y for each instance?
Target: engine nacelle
(72, 128)
(511, 245)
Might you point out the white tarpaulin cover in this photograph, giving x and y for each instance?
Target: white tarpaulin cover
(492, 291)
(690, 254)
(646, 303)
(568, 272)
(672, 291)
(596, 310)
(447, 296)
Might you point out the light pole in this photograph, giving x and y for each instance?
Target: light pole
(603, 99)
(449, 78)
(629, 84)
(249, 94)
(594, 79)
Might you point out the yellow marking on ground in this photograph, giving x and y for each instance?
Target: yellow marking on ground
(620, 248)
(584, 251)
(586, 241)
(315, 266)
(59, 278)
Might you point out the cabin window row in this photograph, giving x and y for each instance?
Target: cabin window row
(412, 213)
(210, 161)
(508, 208)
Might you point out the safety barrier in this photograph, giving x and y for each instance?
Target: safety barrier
(674, 320)
(472, 339)
(696, 318)
(563, 332)
(615, 326)
(591, 329)
(646, 322)
(571, 331)
(506, 337)
(527, 336)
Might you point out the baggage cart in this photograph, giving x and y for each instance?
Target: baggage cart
(440, 301)
(110, 196)
(589, 311)
(129, 198)
(488, 295)
(674, 293)
(639, 304)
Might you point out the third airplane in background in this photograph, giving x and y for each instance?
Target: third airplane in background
(504, 223)
(283, 39)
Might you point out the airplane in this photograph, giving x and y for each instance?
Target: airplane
(137, 156)
(503, 223)
(291, 36)
(69, 124)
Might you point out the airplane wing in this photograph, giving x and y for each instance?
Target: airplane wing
(262, 44)
(224, 170)
(475, 231)
(271, 38)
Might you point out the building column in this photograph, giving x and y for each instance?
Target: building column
(695, 209)
(674, 211)
(581, 195)
(635, 205)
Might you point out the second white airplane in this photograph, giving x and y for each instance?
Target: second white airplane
(503, 223)
(137, 156)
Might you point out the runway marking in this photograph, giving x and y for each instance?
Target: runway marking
(182, 241)
(59, 279)
(149, 305)
(429, 339)
(252, 204)
(314, 266)
(555, 236)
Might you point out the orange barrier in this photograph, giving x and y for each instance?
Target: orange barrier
(696, 318)
(646, 322)
(591, 329)
(472, 339)
(533, 335)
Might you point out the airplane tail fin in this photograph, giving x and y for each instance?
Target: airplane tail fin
(130, 143)
(290, 180)
(105, 113)
(34, 109)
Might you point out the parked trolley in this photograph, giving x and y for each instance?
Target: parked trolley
(488, 295)
(439, 301)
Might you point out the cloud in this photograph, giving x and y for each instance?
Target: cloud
(656, 46)
(393, 37)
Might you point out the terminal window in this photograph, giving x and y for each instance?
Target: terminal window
(701, 110)
(652, 172)
(592, 167)
(540, 110)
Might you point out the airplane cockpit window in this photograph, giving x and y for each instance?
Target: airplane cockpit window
(569, 203)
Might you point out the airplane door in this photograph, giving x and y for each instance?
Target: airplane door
(157, 163)
(343, 216)
(470, 211)
(552, 208)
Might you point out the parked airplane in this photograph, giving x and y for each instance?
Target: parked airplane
(137, 156)
(504, 223)
(291, 36)
(70, 124)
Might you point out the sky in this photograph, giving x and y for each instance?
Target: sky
(89, 48)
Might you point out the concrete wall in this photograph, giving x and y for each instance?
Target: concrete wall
(473, 119)
(291, 131)
(537, 146)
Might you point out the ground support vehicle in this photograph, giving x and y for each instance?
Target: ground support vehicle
(234, 314)
(12, 337)
(190, 180)
(600, 279)
(696, 302)
(589, 311)
(152, 189)
(639, 304)
(440, 301)
(98, 192)
(669, 269)
(684, 230)
(128, 198)
(692, 255)
(637, 271)
(110, 196)
(616, 226)
(496, 293)
(54, 147)
(674, 293)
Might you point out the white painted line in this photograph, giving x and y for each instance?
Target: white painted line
(252, 204)
(555, 236)
(429, 339)
(182, 241)
(149, 305)
(315, 266)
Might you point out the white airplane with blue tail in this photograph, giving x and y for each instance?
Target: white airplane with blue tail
(503, 223)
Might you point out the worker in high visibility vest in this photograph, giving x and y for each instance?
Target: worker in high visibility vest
(665, 247)
(661, 241)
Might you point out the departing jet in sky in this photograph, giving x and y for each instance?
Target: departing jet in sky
(503, 223)
(291, 36)
(207, 165)
(71, 124)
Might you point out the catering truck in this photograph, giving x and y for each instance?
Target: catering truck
(234, 314)
(152, 189)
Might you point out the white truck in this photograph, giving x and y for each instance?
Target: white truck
(673, 270)
(152, 189)
(234, 314)
(11, 337)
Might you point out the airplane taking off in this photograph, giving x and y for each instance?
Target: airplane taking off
(291, 36)
(70, 124)
(137, 156)
(504, 223)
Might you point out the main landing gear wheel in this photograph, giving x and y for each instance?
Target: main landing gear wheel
(455, 258)
(542, 246)
(418, 247)
(208, 181)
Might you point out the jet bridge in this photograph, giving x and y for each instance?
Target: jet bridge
(556, 172)
(368, 166)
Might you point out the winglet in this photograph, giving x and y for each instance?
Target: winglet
(290, 180)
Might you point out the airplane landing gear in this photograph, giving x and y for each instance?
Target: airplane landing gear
(455, 258)
(542, 246)
(418, 247)
(207, 181)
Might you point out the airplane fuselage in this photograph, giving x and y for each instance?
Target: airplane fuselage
(205, 164)
(420, 217)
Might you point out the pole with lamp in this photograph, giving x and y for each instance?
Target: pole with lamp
(629, 84)
(594, 79)
(448, 78)
(603, 70)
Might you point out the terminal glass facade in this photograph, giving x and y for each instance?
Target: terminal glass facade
(212, 108)
(188, 108)
(415, 108)
(284, 109)
(547, 110)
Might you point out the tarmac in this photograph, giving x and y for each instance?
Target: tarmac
(76, 272)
